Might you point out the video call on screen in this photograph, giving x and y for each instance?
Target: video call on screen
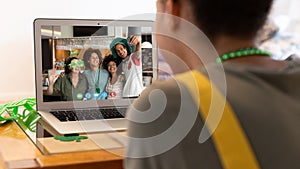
(59, 43)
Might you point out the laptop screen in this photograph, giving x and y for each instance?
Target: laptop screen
(92, 62)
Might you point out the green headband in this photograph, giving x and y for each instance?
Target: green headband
(76, 63)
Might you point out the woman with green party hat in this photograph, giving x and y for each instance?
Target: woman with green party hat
(131, 64)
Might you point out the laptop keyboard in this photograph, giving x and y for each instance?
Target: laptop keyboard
(91, 114)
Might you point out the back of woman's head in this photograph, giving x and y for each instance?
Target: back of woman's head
(238, 18)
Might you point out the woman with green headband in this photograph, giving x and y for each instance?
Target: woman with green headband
(73, 85)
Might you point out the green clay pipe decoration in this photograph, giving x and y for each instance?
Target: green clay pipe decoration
(70, 138)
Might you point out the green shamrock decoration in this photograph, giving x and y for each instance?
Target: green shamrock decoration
(76, 63)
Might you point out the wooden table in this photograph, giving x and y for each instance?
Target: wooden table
(18, 151)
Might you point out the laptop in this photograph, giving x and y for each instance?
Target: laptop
(57, 39)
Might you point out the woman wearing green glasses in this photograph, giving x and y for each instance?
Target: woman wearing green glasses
(73, 85)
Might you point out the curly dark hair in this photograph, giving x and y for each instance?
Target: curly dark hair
(237, 18)
(110, 58)
(88, 53)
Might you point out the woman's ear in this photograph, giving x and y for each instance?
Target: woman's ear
(173, 9)
(176, 8)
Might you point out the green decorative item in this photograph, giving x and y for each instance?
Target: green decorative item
(76, 63)
(27, 119)
(71, 53)
(97, 90)
(241, 53)
(70, 138)
(79, 96)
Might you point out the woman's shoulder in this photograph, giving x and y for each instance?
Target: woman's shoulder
(82, 76)
(87, 72)
(103, 71)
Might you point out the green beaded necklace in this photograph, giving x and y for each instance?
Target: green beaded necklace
(241, 53)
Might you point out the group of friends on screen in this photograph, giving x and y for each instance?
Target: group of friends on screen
(114, 76)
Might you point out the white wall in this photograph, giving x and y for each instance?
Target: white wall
(287, 15)
(16, 30)
(287, 7)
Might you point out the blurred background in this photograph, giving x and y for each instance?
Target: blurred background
(281, 36)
